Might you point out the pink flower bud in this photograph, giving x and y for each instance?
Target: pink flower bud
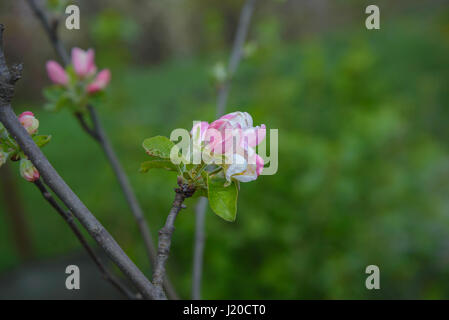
(28, 171)
(29, 122)
(101, 81)
(56, 73)
(84, 62)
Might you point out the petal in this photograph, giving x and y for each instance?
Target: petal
(91, 68)
(83, 62)
(254, 136)
(239, 165)
(56, 73)
(259, 164)
(100, 82)
(241, 120)
(79, 61)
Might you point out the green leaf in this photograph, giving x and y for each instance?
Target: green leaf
(223, 200)
(158, 146)
(158, 164)
(41, 140)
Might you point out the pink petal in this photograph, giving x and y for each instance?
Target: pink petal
(259, 164)
(254, 136)
(83, 62)
(91, 67)
(56, 73)
(26, 113)
(100, 82)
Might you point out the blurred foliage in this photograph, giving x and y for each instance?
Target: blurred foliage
(363, 161)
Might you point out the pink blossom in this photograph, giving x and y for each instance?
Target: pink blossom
(84, 62)
(100, 82)
(237, 131)
(29, 122)
(232, 138)
(56, 73)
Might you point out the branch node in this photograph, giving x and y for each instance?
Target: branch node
(16, 72)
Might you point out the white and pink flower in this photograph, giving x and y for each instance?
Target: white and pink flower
(29, 122)
(233, 137)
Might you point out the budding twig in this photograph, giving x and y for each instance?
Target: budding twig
(68, 217)
(51, 30)
(165, 234)
(97, 132)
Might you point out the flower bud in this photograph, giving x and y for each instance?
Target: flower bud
(28, 171)
(83, 62)
(101, 81)
(56, 73)
(29, 122)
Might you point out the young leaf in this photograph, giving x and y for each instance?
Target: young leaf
(222, 200)
(41, 140)
(159, 164)
(158, 146)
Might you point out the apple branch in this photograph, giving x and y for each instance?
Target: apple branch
(8, 77)
(68, 218)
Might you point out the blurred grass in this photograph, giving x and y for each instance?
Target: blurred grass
(363, 167)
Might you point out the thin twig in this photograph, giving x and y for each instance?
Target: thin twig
(51, 30)
(97, 132)
(67, 216)
(223, 93)
(200, 238)
(51, 177)
(86, 126)
(165, 234)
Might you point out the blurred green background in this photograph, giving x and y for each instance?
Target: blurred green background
(363, 143)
